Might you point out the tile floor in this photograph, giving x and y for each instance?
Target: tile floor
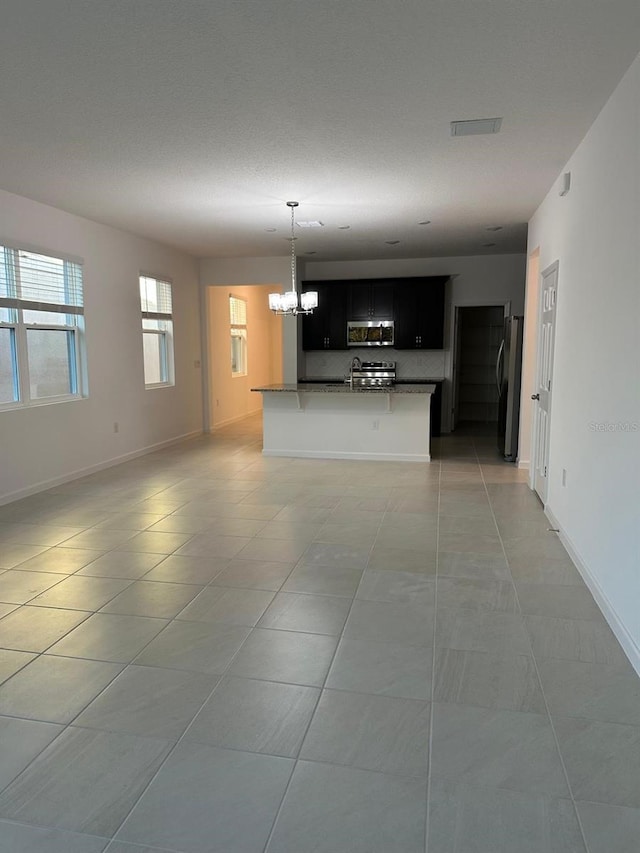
(206, 651)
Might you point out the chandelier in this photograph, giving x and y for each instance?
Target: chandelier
(293, 302)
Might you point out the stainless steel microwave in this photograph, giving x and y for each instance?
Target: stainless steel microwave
(370, 333)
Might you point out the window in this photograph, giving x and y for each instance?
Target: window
(238, 323)
(157, 331)
(41, 329)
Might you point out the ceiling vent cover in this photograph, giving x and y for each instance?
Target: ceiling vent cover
(476, 126)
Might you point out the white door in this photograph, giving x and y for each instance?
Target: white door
(544, 374)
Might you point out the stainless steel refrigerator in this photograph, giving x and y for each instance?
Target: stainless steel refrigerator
(508, 377)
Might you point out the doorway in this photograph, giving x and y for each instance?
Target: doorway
(243, 348)
(478, 333)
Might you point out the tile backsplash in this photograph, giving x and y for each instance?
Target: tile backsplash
(410, 364)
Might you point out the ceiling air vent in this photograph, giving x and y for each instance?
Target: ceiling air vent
(476, 126)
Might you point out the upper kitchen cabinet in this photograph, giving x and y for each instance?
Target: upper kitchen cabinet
(415, 304)
(371, 300)
(419, 313)
(326, 328)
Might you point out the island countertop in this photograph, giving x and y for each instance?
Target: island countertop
(346, 388)
(399, 380)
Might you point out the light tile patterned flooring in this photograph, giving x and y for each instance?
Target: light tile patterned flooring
(206, 651)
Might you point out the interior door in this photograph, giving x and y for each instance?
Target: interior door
(455, 370)
(544, 374)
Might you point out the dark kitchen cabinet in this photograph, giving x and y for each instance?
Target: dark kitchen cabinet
(326, 328)
(371, 300)
(415, 304)
(419, 313)
(436, 410)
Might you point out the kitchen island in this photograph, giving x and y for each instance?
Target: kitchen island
(340, 421)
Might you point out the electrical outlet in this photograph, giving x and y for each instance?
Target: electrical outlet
(116, 426)
(376, 424)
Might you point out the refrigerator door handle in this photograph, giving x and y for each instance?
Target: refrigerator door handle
(500, 352)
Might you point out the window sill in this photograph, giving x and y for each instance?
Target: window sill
(35, 404)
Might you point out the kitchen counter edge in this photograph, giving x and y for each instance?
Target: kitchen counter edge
(323, 380)
(345, 388)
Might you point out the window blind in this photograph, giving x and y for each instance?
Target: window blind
(155, 298)
(237, 311)
(39, 282)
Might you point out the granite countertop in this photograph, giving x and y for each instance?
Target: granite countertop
(341, 387)
(323, 380)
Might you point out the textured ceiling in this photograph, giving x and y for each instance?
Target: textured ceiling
(193, 122)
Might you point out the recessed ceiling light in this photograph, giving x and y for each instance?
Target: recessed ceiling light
(271, 230)
(343, 227)
(425, 222)
(493, 228)
(310, 223)
(475, 127)
(488, 245)
(392, 242)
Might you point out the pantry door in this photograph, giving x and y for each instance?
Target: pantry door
(544, 374)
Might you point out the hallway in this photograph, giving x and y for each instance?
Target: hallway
(208, 651)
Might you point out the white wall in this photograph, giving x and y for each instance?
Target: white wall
(42, 445)
(477, 280)
(249, 271)
(594, 233)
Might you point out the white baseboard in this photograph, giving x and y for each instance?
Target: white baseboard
(330, 454)
(43, 485)
(236, 420)
(629, 645)
(524, 464)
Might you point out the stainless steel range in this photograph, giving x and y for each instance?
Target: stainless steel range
(372, 374)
